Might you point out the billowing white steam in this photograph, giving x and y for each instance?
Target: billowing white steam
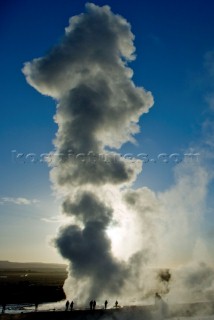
(115, 231)
(99, 106)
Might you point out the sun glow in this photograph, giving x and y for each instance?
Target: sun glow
(114, 233)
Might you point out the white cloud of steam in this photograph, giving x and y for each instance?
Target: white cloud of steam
(99, 107)
(185, 206)
(159, 215)
(168, 233)
(98, 103)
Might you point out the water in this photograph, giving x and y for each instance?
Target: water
(27, 307)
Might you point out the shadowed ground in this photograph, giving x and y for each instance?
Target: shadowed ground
(31, 282)
(126, 313)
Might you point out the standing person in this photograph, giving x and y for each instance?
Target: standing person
(66, 305)
(116, 304)
(94, 305)
(71, 305)
(106, 303)
(91, 304)
(36, 306)
(3, 307)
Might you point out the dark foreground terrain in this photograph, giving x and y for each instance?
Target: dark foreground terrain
(31, 283)
(125, 313)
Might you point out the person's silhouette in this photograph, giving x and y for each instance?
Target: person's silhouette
(36, 306)
(3, 307)
(94, 305)
(116, 304)
(106, 303)
(71, 305)
(66, 305)
(91, 304)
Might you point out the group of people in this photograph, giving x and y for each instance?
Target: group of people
(92, 305)
(67, 304)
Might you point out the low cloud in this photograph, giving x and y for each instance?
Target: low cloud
(55, 219)
(18, 201)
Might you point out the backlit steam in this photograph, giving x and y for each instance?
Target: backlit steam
(99, 107)
(115, 232)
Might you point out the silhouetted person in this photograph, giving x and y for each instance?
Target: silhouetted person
(71, 305)
(36, 306)
(91, 304)
(106, 303)
(66, 305)
(116, 304)
(3, 307)
(94, 305)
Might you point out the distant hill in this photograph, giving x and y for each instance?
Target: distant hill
(31, 265)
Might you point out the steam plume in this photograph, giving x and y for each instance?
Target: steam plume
(98, 108)
(97, 112)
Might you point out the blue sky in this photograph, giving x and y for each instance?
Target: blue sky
(172, 40)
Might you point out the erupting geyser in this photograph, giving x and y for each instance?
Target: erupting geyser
(98, 108)
(115, 234)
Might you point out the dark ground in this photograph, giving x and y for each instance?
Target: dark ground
(23, 285)
(126, 313)
(32, 285)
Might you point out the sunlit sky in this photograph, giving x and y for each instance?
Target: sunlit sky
(175, 61)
